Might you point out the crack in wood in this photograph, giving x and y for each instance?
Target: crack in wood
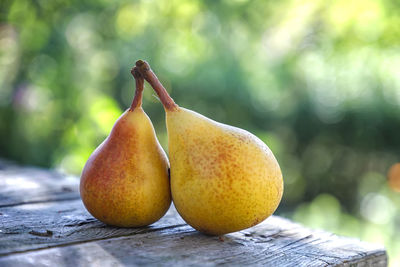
(47, 233)
(87, 221)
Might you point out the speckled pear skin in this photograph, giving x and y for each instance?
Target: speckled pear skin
(223, 179)
(125, 181)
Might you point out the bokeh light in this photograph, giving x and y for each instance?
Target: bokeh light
(394, 177)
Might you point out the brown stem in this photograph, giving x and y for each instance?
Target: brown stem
(144, 69)
(139, 80)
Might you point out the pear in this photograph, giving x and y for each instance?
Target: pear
(125, 181)
(223, 179)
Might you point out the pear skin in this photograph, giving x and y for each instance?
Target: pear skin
(125, 180)
(223, 179)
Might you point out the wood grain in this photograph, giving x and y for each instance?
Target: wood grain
(276, 242)
(43, 225)
(21, 185)
(51, 229)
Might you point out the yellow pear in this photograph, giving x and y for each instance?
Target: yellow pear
(223, 179)
(125, 181)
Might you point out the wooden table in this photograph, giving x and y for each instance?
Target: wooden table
(44, 223)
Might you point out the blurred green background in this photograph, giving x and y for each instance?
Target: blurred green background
(318, 81)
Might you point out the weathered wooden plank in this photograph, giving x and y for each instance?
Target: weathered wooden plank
(70, 230)
(42, 225)
(20, 185)
(276, 242)
(48, 231)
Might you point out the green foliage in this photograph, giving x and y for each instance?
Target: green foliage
(317, 80)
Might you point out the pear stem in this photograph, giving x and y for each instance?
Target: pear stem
(139, 82)
(147, 73)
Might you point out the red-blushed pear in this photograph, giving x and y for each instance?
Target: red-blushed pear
(223, 179)
(125, 181)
